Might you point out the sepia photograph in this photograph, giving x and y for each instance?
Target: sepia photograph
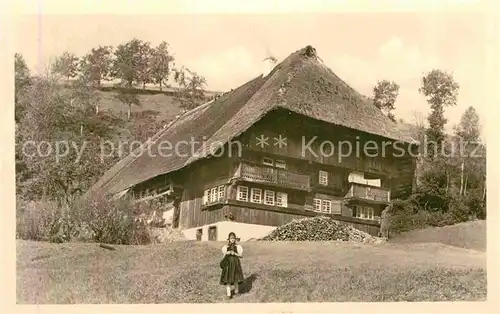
(302, 157)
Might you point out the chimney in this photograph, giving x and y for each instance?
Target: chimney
(268, 65)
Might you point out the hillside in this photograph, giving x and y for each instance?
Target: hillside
(468, 235)
(161, 105)
(156, 109)
(275, 271)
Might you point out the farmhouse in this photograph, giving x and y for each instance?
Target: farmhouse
(294, 142)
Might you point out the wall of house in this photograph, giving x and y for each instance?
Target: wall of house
(244, 231)
(203, 175)
(393, 171)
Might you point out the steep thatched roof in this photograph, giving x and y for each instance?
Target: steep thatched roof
(301, 83)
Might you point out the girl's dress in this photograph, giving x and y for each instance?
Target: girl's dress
(232, 272)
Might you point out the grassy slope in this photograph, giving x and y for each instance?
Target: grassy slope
(277, 272)
(160, 103)
(468, 235)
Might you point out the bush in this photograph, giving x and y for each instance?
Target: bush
(409, 215)
(406, 222)
(104, 220)
(476, 204)
(43, 220)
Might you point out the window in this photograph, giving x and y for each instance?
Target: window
(317, 204)
(281, 199)
(260, 196)
(326, 206)
(322, 206)
(213, 195)
(364, 212)
(269, 197)
(221, 192)
(323, 177)
(255, 195)
(267, 161)
(280, 164)
(242, 193)
(199, 234)
(206, 196)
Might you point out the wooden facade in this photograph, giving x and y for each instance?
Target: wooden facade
(272, 185)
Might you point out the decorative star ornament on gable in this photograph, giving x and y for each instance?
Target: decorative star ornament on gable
(262, 141)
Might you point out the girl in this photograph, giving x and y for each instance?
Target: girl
(232, 273)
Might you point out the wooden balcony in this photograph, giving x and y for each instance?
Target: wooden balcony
(272, 176)
(368, 193)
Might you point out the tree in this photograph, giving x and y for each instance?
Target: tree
(441, 91)
(86, 95)
(127, 67)
(160, 64)
(96, 65)
(472, 169)
(468, 128)
(191, 93)
(21, 83)
(127, 62)
(22, 72)
(50, 122)
(144, 72)
(66, 65)
(128, 96)
(385, 94)
(22, 80)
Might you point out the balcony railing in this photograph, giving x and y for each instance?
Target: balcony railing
(370, 193)
(274, 176)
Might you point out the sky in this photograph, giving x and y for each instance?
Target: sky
(228, 50)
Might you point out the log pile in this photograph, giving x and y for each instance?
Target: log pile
(319, 228)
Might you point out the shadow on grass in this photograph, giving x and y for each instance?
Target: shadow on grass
(247, 284)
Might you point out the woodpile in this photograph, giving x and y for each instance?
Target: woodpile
(319, 228)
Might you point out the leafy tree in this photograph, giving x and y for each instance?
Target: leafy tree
(469, 128)
(441, 91)
(85, 95)
(160, 64)
(66, 65)
(191, 88)
(385, 94)
(22, 72)
(127, 68)
(128, 96)
(468, 137)
(144, 70)
(96, 65)
(50, 121)
(127, 62)
(22, 80)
